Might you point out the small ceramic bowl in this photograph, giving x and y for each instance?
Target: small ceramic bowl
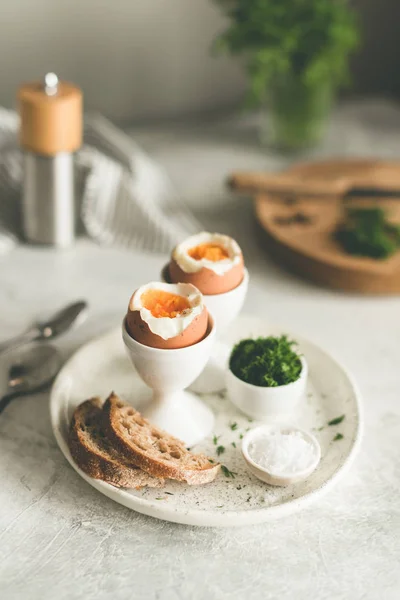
(279, 479)
(264, 402)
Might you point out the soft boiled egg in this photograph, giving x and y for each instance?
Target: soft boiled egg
(211, 261)
(167, 316)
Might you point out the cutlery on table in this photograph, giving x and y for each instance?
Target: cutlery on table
(61, 321)
(31, 370)
(377, 182)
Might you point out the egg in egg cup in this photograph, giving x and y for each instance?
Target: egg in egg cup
(168, 334)
(213, 262)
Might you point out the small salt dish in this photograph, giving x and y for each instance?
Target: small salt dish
(260, 402)
(279, 478)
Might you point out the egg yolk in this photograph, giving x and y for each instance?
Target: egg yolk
(164, 304)
(213, 252)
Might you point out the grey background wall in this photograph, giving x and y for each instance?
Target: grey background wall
(376, 67)
(150, 58)
(133, 58)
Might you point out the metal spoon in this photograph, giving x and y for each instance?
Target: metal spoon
(30, 370)
(54, 326)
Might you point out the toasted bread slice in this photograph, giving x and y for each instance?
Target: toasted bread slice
(94, 454)
(153, 450)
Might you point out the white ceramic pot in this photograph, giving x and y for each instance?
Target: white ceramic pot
(168, 373)
(224, 308)
(282, 478)
(264, 402)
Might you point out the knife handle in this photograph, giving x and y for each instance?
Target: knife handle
(286, 183)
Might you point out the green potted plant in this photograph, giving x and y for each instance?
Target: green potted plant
(296, 55)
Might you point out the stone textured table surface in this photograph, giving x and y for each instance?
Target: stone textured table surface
(59, 538)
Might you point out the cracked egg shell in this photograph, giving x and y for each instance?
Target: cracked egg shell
(167, 316)
(210, 261)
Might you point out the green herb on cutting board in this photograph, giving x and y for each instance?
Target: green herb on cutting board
(338, 436)
(368, 232)
(266, 362)
(220, 450)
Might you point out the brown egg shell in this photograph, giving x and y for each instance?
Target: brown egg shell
(206, 280)
(141, 332)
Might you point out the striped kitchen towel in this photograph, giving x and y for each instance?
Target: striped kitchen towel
(126, 198)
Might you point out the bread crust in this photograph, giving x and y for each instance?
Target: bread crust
(152, 449)
(93, 453)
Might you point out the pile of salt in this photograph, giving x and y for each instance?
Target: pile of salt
(282, 452)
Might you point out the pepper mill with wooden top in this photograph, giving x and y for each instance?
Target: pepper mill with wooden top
(50, 133)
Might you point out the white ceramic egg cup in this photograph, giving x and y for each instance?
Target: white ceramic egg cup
(168, 373)
(224, 308)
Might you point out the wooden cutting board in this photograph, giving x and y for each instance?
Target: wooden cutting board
(309, 249)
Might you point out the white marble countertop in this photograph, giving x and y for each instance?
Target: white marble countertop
(59, 538)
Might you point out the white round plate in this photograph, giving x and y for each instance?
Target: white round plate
(102, 366)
